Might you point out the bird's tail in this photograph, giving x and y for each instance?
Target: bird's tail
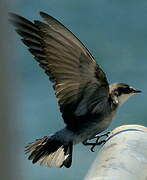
(50, 151)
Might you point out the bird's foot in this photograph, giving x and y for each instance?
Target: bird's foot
(97, 142)
(86, 143)
(98, 136)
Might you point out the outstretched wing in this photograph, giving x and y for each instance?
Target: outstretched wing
(79, 82)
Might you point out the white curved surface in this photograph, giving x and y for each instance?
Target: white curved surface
(123, 156)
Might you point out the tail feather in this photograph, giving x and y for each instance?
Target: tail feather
(68, 160)
(50, 151)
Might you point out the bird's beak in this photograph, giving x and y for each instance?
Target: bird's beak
(136, 91)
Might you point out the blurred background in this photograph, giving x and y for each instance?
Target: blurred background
(116, 34)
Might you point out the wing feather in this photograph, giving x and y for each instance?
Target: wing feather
(78, 80)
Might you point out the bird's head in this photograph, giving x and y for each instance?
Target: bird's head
(121, 92)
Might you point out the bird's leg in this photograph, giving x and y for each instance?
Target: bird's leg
(86, 143)
(97, 142)
(98, 136)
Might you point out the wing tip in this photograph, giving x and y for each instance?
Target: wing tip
(11, 14)
(43, 14)
(47, 17)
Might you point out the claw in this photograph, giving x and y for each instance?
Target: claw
(92, 148)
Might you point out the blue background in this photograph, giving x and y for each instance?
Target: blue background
(116, 34)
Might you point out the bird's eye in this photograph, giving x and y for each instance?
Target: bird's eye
(120, 91)
(127, 90)
(116, 93)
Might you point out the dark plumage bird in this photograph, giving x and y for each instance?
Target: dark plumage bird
(87, 102)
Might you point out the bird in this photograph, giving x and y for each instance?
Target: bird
(86, 100)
